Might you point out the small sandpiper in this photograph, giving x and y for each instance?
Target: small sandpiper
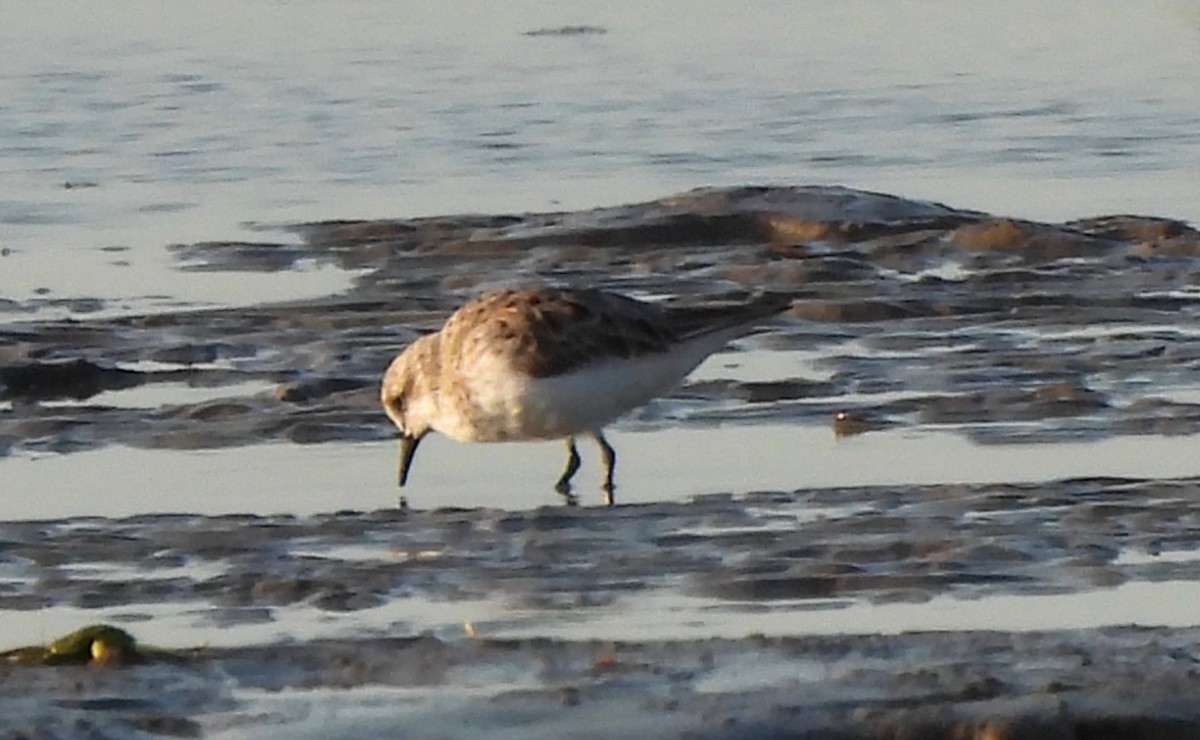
(552, 363)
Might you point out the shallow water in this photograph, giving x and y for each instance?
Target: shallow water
(161, 394)
(645, 618)
(133, 127)
(672, 464)
(136, 126)
(1162, 604)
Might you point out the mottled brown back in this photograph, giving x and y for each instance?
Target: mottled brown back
(551, 331)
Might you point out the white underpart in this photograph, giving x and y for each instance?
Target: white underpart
(584, 400)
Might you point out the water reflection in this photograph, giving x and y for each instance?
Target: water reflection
(186, 124)
(666, 464)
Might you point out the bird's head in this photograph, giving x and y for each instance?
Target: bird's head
(408, 402)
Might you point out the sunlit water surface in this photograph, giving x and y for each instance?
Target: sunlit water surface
(127, 127)
(130, 126)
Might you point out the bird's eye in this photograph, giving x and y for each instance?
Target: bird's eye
(395, 407)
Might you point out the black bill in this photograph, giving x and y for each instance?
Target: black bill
(408, 449)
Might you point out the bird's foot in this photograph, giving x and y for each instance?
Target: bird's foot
(563, 488)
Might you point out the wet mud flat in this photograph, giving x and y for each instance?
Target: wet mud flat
(724, 617)
(904, 312)
(1092, 684)
(1053, 609)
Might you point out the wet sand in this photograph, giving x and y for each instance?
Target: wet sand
(869, 612)
(911, 313)
(994, 603)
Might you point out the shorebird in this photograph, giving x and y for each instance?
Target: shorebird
(552, 363)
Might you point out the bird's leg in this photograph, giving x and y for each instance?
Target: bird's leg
(609, 455)
(564, 483)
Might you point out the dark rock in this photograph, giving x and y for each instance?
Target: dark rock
(568, 31)
(1031, 241)
(308, 390)
(78, 379)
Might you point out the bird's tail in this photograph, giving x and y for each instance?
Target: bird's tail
(729, 320)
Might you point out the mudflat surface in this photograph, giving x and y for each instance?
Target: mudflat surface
(847, 613)
(1056, 608)
(905, 312)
